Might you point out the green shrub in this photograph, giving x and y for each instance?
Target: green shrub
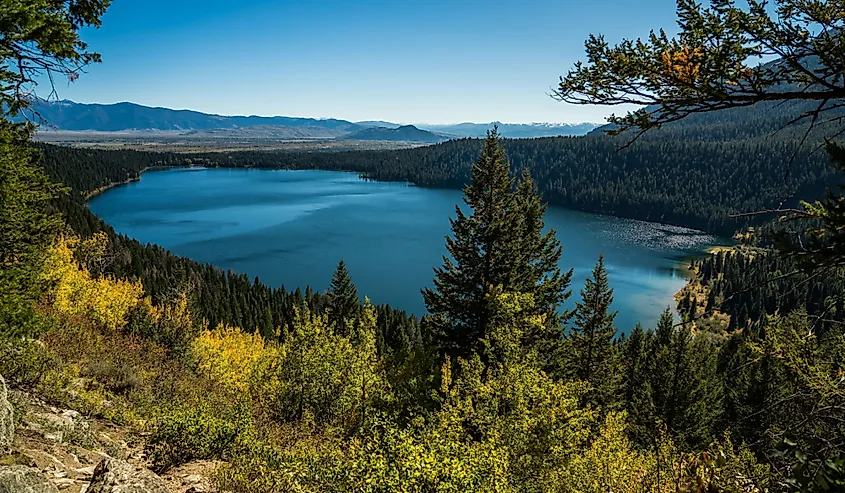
(197, 431)
(263, 469)
(24, 362)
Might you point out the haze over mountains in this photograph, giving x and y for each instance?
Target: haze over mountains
(512, 130)
(130, 117)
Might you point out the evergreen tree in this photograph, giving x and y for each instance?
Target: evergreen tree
(478, 247)
(343, 303)
(27, 228)
(592, 353)
(35, 38)
(538, 257)
(683, 383)
(500, 243)
(635, 386)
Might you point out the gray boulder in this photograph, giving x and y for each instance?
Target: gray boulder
(7, 419)
(22, 479)
(117, 476)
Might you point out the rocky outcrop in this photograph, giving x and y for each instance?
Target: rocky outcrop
(62, 450)
(117, 476)
(7, 419)
(22, 479)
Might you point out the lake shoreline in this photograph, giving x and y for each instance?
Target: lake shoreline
(290, 229)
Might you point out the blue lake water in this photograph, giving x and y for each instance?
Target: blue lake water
(291, 227)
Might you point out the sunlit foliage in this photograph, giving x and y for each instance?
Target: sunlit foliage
(106, 300)
(230, 356)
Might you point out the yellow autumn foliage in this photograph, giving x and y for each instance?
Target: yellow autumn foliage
(231, 356)
(75, 292)
(683, 63)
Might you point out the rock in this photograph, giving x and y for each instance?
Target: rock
(55, 436)
(63, 483)
(192, 479)
(22, 479)
(65, 421)
(85, 471)
(7, 419)
(117, 476)
(197, 488)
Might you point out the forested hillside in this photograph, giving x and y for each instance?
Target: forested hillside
(699, 379)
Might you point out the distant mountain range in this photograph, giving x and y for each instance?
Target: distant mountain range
(130, 117)
(513, 130)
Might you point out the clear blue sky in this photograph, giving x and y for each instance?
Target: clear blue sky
(436, 61)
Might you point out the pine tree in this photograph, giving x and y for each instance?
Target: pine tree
(591, 342)
(500, 243)
(685, 391)
(635, 387)
(344, 304)
(538, 255)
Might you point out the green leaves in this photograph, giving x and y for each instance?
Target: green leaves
(811, 473)
(38, 37)
(27, 228)
(713, 62)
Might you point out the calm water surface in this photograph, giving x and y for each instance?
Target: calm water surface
(291, 227)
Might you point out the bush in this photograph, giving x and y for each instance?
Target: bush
(25, 362)
(117, 375)
(105, 300)
(197, 431)
(230, 356)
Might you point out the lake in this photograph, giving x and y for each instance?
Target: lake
(291, 227)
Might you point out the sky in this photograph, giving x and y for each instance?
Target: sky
(437, 61)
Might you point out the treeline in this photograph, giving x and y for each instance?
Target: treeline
(752, 287)
(692, 183)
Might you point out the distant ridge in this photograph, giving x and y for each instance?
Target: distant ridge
(513, 130)
(407, 133)
(68, 115)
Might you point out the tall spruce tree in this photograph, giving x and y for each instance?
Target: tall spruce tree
(591, 349)
(683, 382)
(27, 227)
(539, 254)
(635, 385)
(344, 304)
(499, 243)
